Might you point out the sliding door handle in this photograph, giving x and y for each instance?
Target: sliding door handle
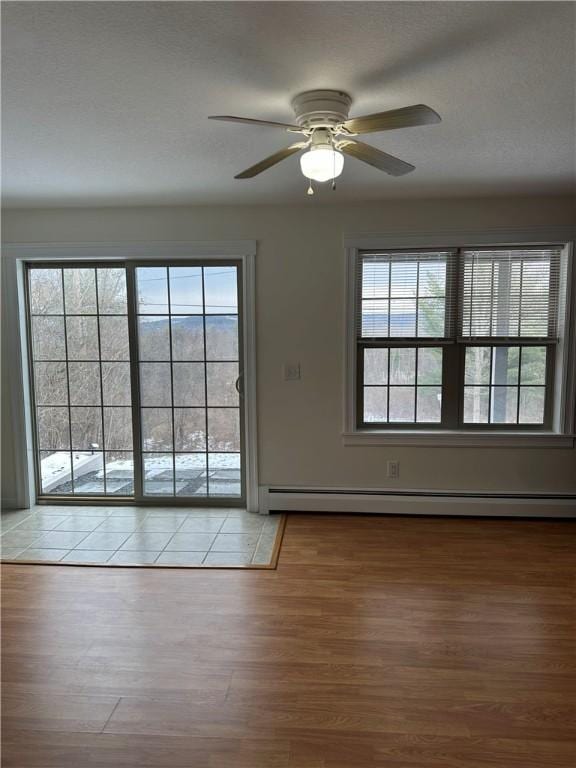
(239, 384)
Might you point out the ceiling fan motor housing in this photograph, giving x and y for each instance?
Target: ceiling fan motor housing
(321, 109)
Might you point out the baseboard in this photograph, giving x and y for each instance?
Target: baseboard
(416, 502)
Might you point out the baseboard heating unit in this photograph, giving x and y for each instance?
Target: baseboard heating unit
(416, 502)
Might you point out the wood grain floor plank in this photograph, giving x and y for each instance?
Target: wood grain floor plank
(379, 642)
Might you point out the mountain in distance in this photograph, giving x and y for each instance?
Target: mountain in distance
(188, 321)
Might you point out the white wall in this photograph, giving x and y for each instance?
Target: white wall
(300, 317)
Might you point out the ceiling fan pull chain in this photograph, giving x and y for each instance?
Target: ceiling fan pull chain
(310, 190)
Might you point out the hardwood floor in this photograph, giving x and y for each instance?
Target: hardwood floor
(378, 641)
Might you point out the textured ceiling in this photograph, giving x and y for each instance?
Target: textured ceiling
(106, 103)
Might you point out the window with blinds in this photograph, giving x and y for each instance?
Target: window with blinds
(457, 338)
(510, 293)
(405, 295)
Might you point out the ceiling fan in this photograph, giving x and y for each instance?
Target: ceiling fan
(329, 134)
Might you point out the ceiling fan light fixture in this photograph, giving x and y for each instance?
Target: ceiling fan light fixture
(322, 163)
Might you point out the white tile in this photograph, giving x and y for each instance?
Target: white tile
(146, 541)
(261, 558)
(104, 540)
(207, 512)
(133, 557)
(242, 524)
(235, 542)
(50, 555)
(18, 538)
(81, 523)
(228, 558)
(60, 539)
(263, 552)
(160, 524)
(92, 510)
(176, 513)
(268, 536)
(123, 524)
(41, 522)
(190, 542)
(202, 524)
(181, 558)
(9, 520)
(9, 553)
(235, 511)
(127, 511)
(88, 556)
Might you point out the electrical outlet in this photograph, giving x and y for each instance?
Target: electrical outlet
(291, 371)
(393, 469)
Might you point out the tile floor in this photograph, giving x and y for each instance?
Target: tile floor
(140, 536)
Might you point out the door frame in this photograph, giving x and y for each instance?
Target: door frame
(15, 258)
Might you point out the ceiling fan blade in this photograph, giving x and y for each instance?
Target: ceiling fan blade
(381, 160)
(251, 121)
(419, 114)
(268, 162)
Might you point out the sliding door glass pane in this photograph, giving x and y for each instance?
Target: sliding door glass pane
(80, 364)
(188, 350)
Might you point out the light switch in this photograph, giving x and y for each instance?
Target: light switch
(291, 371)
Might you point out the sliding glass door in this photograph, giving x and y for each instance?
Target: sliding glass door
(136, 381)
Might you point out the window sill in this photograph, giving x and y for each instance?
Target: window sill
(447, 439)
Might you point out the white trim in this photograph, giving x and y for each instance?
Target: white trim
(13, 258)
(446, 503)
(14, 425)
(130, 251)
(250, 401)
(350, 347)
(565, 410)
(565, 395)
(455, 238)
(24, 372)
(448, 438)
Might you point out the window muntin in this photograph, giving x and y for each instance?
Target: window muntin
(402, 385)
(505, 385)
(508, 297)
(81, 374)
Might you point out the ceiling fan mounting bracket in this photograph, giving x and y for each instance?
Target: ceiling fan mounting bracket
(321, 108)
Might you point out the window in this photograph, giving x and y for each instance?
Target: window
(457, 339)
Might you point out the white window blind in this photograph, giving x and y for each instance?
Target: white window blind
(405, 295)
(509, 293)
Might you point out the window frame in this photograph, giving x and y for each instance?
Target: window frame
(14, 261)
(558, 427)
